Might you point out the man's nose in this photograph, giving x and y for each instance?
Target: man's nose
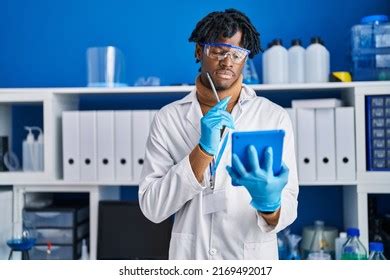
(227, 60)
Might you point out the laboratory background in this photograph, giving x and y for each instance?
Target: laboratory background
(106, 67)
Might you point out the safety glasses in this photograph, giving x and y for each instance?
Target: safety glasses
(220, 51)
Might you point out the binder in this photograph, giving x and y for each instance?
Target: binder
(325, 144)
(306, 145)
(293, 117)
(123, 146)
(88, 146)
(140, 126)
(71, 145)
(105, 145)
(345, 144)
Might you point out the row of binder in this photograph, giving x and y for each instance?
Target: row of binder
(325, 143)
(378, 132)
(104, 145)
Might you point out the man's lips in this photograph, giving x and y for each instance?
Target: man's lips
(225, 74)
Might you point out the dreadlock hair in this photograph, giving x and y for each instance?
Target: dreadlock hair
(225, 24)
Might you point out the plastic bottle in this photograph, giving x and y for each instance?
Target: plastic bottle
(339, 242)
(265, 63)
(317, 63)
(39, 149)
(376, 251)
(84, 250)
(29, 151)
(276, 64)
(296, 62)
(353, 249)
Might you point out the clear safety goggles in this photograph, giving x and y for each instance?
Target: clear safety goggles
(220, 51)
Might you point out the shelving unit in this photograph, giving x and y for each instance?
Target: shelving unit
(57, 100)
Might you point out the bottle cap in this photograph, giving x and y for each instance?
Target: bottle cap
(376, 246)
(343, 234)
(278, 42)
(30, 135)
(377, 19)
(296, 42)
(353, 232)
(316, 40)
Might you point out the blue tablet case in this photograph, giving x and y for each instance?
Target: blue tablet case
(260, 139)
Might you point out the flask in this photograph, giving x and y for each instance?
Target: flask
(353, 249)
(319, 246)
(29, 151)
(317, 64)
(376, 251)
(296, 62)
(339, 242)
(276, 63)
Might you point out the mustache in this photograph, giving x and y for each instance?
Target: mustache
(225, 70)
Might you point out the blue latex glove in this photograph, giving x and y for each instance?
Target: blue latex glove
(264, 187)
(211, 125)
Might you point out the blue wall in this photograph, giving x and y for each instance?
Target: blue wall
(43, 42)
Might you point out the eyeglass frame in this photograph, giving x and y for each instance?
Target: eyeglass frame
(228, 52)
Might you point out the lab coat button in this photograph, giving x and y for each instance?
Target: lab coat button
(213, 252)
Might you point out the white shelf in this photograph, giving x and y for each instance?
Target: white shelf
(29, 180)
(187, 88)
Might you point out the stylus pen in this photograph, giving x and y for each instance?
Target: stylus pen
(212, 86)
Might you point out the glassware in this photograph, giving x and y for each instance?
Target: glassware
(353, 249)
(105, 66)
(376, 251)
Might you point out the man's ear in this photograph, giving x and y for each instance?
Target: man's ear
(198, 52)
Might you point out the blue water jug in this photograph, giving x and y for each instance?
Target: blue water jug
(371, 49)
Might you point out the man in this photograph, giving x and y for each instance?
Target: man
(188, 153)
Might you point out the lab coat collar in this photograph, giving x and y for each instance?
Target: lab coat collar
(195, 114)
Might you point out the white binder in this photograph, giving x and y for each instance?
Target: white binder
(140, 126)
(71, 145)
(5, 222)
(105, 145)
(88, 147)
(293, 117)
(306, 145)
(326, 144)
(123, 151)
(345, 144)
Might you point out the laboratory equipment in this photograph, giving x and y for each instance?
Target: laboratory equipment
(296, 62)
(376, 251)
(105, 66)
(353, 249)
(370, 42)
(317, 62)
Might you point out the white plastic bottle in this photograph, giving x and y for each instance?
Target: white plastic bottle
(265, 63)
(276, 64)
(338, 243)
(296, 62)
(317, 63)
(84, 250)
(39, 149)
(29, 151)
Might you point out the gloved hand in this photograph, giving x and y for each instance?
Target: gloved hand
(264, 187)
(211, 125)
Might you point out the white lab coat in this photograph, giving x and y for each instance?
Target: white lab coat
(168, 185)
